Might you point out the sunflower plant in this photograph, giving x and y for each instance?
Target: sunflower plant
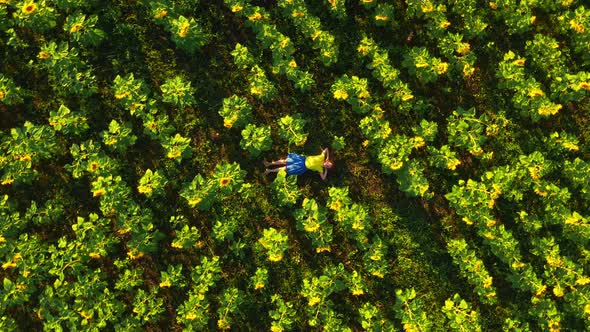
(68, 122)
(460, 315)
(187, 33)
(291, 129)
(119, 137)
(10, 94)
(256, 139)
(236, 112)
(69, 75)
(132, 93)
(24, 147)
(82, 29)
(260, 278)
(422, 65)
(35, 15)
(275, 243)
(151, 183)
(177, 147)
(311, 219)
(227, 178)
(177, 91)
(285, 188)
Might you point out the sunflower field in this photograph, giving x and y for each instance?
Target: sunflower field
(133, 194)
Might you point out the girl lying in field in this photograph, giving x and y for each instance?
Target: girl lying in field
(296, 164)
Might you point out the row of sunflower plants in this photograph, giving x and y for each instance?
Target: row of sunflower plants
(546, 56)
(260, 86)
(575, 24)
(528, 95)
(473, 269)
(24, 150)
(134, 95)
(115, 196)
(397, 90)
(187, 33)
(474, 201)
(527, 175)
(354, 221)
(392, 151)
(281, 46)
(194, 313)
(317, 290)
(565, 277)
(310, 26)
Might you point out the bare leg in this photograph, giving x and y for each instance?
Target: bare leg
(280, 162)
(275, 170)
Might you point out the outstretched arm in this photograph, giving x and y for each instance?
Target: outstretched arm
(324, 174)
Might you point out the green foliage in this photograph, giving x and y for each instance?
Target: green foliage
(291, 129)
(228, 307)
(372, 319)
(425, 67)
(398, 91)
(260, 279)
(83, 29)
(310, 26)
(460, 315)
(177, 147)
(529, 96)
(337, 8)
(147, 306)
(311, 219)
(186, 235)
(36, 15)
(275, 244)
(354, 91)
(409, 310)
(461, 131)
(285, 189)
(177, 91)
(26, 146)
(131, 92)
(69, 75)
(151, 183)
(202, 193)
(236, 112)
(187, 33)
(283, 315)
(10, 94)
(256, 139)
(338, 143)
(443, 158)
(68, 122)
(473, 269)
(374, 259)
(119, 137)
(466, 131)
(172, 277)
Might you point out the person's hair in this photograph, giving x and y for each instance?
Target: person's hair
(328, 164)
